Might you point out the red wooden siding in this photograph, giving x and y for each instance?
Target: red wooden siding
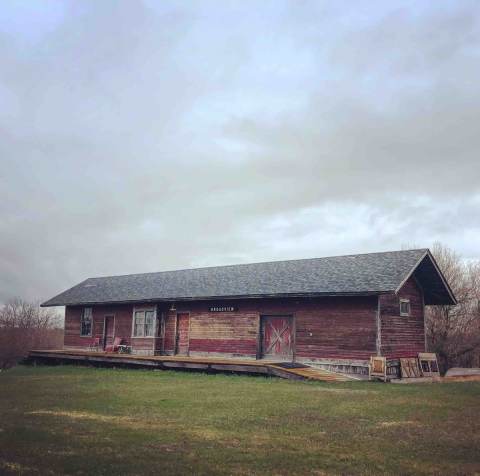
(402, 336)
(224, 332)
(123, 324)
(323, 328)
(337, 328)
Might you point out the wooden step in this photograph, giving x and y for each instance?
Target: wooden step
(310, 373)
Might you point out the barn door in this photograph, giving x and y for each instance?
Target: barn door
(182, 337)
(108, 330)
(276, 336)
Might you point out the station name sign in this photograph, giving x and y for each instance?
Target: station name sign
(222, 308)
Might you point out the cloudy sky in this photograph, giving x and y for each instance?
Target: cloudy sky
(148, 136)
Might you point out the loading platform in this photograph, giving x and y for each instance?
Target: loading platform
(284, 370)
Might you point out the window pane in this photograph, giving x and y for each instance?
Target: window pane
(139, 324)
(149, 316)
(138, 330)
(404, 307)
(86, 322)
(149, 323)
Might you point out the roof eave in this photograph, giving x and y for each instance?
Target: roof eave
(444, 281)
(410, 273)
(437, 269)
(52, 303)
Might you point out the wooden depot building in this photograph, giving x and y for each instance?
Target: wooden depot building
(334, 312)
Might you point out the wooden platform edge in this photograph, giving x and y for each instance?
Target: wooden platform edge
(157, 362)
(185, 363)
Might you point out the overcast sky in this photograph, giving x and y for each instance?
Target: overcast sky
(140, 137)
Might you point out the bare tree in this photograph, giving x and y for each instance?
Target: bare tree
(453, 332)
(24, 326)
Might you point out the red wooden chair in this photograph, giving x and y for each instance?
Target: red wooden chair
(95, 345)
(114, 347)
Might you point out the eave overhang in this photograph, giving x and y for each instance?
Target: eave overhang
(435, 287)
(52, 303)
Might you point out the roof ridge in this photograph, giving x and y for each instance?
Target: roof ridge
(254, 263)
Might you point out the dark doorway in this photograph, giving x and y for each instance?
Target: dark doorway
(108, 330)
(276, 337)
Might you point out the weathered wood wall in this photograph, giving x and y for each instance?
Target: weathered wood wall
(229, 333)
(123, 327)
(325, 328)
(337, 328)
(402, 336)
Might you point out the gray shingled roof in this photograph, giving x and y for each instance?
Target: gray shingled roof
(371, 273)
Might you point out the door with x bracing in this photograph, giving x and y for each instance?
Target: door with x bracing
(276, 337)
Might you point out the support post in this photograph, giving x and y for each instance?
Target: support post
(379, 329)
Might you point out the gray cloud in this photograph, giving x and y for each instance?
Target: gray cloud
(137, 138)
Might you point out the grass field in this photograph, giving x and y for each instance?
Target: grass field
(74, 420)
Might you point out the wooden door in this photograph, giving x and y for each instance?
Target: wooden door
(277, 337)
(108, 330)
(182, 338)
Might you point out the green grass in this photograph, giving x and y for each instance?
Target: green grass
(74, 420)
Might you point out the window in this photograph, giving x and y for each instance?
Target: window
(144, 323)
(86, 322)
(404, 307)
(149, 323)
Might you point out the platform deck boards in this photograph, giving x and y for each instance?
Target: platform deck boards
(261, 367)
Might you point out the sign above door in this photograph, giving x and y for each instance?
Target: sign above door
(222, 308)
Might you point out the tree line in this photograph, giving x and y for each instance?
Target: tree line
(24, 326)
(453, 332)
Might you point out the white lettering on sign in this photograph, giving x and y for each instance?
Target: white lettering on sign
(222, 309)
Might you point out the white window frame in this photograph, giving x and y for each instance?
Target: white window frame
(405, 301)
(82, 318)
(144, 310)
